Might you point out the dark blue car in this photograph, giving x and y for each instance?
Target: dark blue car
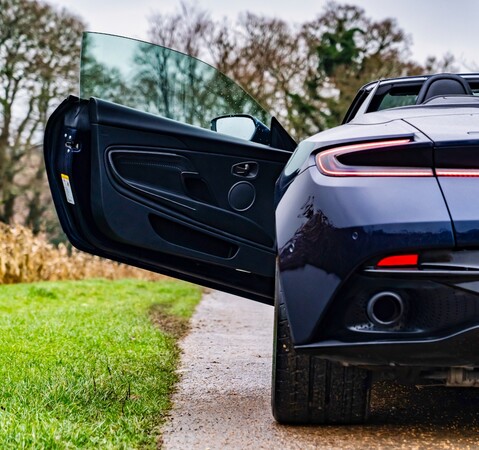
(365, 238)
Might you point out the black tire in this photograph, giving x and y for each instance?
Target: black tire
(310, 390)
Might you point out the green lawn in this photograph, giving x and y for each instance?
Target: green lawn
(81, 364)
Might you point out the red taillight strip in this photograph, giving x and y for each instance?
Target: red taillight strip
(329, 165)
(399, 261)
(457, 172)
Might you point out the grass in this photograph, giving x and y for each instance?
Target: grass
(83, 366)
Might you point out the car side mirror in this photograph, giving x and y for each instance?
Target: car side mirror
(242, 126)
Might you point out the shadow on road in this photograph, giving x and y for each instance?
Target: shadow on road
(407, 405)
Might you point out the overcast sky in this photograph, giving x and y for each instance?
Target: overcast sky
(436, 26)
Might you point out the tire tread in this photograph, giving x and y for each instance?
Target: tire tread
(310, 390)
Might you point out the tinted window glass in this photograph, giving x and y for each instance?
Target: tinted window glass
(395, 96)
(159, 80)
(474, 87)
(393, 101)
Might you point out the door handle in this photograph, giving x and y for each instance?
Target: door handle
(247, 169)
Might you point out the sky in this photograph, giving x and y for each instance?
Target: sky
(436, 27)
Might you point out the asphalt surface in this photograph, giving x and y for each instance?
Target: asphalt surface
(223, 399)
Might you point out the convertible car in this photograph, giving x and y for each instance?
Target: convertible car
(365, 237)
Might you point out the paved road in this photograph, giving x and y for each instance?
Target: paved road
(223, 400)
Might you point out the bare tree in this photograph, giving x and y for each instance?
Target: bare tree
(187, 30)
(265, 56)
(306, 75)
(447, 63)
(39, 51)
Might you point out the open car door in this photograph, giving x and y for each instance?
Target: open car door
(138, 176)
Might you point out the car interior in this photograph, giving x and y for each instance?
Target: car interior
(410, 91)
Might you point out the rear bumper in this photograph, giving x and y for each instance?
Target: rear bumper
(439, 326)
(328, 228)
(456, 349)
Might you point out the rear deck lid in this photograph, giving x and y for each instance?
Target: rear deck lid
(456, 159)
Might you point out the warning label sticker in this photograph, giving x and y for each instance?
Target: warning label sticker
(68, 188)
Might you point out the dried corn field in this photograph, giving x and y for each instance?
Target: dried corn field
(26, 258)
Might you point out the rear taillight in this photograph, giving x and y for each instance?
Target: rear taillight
(399, 261)
(467, 173)
(328, 161)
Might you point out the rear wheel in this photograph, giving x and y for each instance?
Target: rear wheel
(307, 389)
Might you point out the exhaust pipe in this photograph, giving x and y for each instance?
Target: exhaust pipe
(386, 308)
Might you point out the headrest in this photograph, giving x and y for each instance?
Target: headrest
(443, 84)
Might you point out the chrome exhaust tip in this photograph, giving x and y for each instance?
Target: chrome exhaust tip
(385, 308)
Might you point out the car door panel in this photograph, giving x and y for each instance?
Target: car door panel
(165, 179)
(164, 195)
